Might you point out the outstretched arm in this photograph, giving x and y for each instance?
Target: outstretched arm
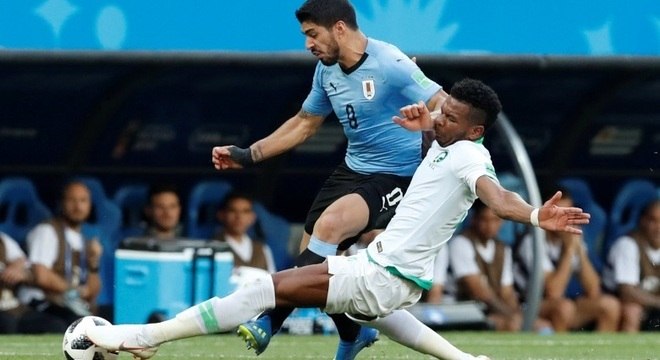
(290, 134)
(509, 205)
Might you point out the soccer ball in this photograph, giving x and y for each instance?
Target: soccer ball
(77, 346)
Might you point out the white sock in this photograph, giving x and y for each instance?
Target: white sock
(216, 314)
(402, 327)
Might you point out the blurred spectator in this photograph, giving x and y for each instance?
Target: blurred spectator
(435, 294)
(14, 271)
(65, 265)
(236, 216)
(632, 272)
(163, 213)
(482, 267)
(566, 256)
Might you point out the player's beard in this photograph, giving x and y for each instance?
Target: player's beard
(74, 218)
(444, 140)
(332, 54)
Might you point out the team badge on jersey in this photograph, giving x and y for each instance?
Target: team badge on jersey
(368, 89)
(441, 156)
(421, 79)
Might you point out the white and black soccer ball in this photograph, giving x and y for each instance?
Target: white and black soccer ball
(77, 346)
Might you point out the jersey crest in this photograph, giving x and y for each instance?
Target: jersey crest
(438, 158)
(368, 89)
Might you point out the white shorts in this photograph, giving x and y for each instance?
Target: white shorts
(361, 288)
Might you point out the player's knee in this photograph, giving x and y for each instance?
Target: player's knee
(567, 309)
(331, 228)
(610, 306)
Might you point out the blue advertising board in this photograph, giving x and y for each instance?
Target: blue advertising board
(587, 27)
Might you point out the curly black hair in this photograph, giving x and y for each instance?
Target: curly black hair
(481, 97)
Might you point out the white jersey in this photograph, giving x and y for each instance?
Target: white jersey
(43, 244)
(623, 263)
(463, 258)
(44, 249)
(13, 252)
(441, 266)
(525, 260)
(244, 249)
(440, 194)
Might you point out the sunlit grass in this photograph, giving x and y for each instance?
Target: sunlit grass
(519, 346)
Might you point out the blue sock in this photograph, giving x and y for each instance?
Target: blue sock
(320, 247)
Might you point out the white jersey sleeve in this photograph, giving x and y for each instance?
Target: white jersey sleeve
(43, 245)
(462, 257)
(270, 261)
(526, 255)
(13, 252)
(624, 257)
(471, 171)
(507, 270)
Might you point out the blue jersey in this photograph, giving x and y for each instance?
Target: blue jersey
(365, 98)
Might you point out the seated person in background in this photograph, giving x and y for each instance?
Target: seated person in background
(435, 294)
(163, 213)
(65, 265)
(237, 216)
(632, 271)
(13, 272)
(482, 267)
(566, 256)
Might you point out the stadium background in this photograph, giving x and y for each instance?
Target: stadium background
(128, 92)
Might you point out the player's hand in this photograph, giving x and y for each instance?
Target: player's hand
(94, 252)
(415, 117)
(230, 157)
(13, 275)
(555, 218)
(221, 158)
(571, 243)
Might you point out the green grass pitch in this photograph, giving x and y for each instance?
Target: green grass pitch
(499, 346)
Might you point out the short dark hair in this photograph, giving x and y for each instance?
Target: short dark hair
(233, 196)
(481, 97)
(327, 12)
(648, 207)
(71, 183)
(550, 191)
(160, 189)
(478, 207)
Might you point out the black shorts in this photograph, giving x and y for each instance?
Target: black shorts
(381, 192)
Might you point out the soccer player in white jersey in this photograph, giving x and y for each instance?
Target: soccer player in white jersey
(375, 285)
(363, 81)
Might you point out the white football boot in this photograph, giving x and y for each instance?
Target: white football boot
(128, 338)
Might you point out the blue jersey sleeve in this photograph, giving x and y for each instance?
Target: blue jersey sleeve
(317, 102)
(407, 76)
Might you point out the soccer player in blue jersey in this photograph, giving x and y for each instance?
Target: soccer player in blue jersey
(364, 81)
